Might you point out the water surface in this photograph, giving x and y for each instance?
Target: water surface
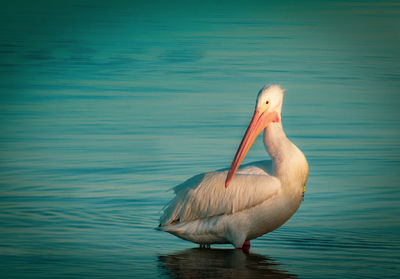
(105, 106)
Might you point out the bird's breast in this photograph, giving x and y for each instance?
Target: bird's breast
(271, 214)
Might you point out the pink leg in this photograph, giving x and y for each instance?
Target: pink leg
(246, 247)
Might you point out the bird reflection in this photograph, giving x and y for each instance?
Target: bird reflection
(220, 263)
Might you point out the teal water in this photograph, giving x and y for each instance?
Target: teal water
(106, 105)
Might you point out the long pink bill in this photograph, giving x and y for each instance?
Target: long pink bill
(258, 123)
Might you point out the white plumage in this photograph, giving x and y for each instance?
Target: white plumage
(258, 199)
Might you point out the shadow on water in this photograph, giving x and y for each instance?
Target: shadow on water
(220, 263)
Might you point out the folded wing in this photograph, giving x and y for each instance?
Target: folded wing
(204, 195)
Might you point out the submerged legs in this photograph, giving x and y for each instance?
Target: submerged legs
(245, 247)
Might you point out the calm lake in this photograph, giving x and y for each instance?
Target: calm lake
(105, 105)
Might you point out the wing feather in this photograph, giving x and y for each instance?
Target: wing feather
(205, 196)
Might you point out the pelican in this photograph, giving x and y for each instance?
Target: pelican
(220, 207)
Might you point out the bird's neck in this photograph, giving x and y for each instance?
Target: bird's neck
(289, 162)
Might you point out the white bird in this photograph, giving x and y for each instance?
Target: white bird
(219, 207)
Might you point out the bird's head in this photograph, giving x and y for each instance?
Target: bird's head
(270, 99)
(268, 110)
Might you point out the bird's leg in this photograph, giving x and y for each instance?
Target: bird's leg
(246, 247)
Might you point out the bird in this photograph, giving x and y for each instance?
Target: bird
(236, 205)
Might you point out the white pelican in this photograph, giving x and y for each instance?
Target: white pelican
(260, 198)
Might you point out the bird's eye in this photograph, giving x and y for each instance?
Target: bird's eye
(267, 102)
